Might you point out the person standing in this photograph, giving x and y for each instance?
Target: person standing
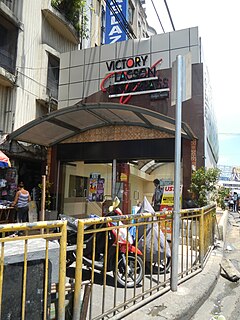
(235, 199)
(21, 202)
(235, 175)
(157, 196)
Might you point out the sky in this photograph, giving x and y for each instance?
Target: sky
(219, 26)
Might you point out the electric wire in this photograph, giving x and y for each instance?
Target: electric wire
(169, 14)
(125, 27)
(124, 19)
(157, 16)
(126, 24)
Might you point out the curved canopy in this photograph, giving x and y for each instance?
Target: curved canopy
(62, 124)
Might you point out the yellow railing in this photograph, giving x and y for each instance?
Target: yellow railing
(33, 252)
(108, 298)
(121, 279)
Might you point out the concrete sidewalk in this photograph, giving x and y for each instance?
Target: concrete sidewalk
(191, 294)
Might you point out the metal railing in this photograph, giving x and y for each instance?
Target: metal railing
(127, 278)
(32, 257)
(108, 298)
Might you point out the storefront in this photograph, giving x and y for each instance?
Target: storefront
(8, 187)
(114, 131)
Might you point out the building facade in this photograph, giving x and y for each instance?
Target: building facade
(33, 35)
(116, 122)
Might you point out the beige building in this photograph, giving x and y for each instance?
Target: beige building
(33, 34)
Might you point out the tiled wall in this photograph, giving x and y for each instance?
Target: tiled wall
(81, 72)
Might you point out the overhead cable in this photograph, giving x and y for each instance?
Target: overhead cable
(123, 27)
(124, 19)
(122, 22)
(157, 16)
(169, 14)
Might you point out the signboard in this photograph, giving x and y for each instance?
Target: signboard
(168, 197)
(186, 79)
(133, 76)
(116, 17)
(229, 173)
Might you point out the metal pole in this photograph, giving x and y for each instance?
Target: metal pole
(43, 197)
(114, 177)
(57, 188)
(177, 174)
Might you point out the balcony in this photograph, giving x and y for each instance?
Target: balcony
(7, 79)
(60, 24)
(12, 10)
(8, 48)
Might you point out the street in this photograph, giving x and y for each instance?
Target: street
(224, 301)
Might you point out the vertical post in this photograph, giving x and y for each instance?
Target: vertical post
(57, 188)
(201, 237)
(177, 174)
(114, 177)
(78, 272)
(43, 197)
(62, 272)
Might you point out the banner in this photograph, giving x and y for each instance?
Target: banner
(115, 11)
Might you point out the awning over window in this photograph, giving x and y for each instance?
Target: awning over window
(62, 124)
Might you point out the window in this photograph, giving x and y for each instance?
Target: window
(53, 76)
(78, 186)
(8, 45)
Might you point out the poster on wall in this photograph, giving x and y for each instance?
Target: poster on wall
(96, 187)
(100, 190)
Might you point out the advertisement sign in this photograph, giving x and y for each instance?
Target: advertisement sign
(229, 173)
(116, 17)
(168, 197)
(96, 187)
(133, 76)
(100, 190)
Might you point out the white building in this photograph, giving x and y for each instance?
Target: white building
(33, 34)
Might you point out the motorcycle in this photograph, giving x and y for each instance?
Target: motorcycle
(128, 255)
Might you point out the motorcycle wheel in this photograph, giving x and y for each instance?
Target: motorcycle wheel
(164, 266)
(130, 280)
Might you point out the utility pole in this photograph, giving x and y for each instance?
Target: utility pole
(181, 91)
(177, 174)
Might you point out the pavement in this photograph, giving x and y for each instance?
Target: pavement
(191, 294)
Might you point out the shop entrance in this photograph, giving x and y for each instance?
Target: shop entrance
(99, 133)
(86, 184)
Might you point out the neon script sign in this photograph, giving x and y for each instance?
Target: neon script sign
(131, 76)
